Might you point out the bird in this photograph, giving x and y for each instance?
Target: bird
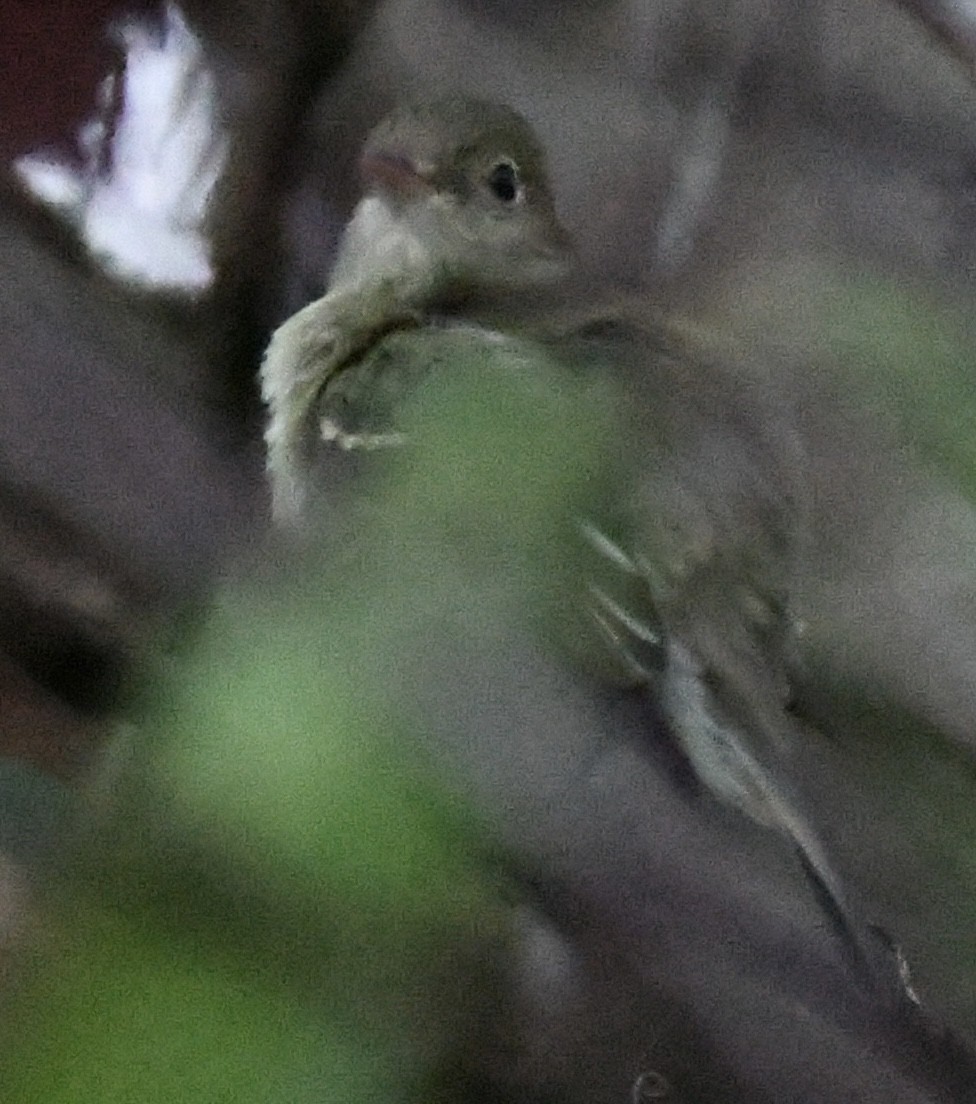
(688, 564)
(441, 177)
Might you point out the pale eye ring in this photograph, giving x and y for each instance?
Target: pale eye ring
(504, 183)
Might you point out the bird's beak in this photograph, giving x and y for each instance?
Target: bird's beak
(395, 173)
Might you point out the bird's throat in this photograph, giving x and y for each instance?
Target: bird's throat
(381, 247)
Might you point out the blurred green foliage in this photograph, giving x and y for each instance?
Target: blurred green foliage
(276, 898)
(122, 1011)
(910, 358)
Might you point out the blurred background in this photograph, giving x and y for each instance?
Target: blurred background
(797, 176)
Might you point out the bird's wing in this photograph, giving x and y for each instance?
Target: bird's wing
(675, 559)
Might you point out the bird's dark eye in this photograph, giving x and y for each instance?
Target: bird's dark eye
(503, 180)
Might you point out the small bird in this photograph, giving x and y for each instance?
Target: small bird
(690, 593)
(444, 180)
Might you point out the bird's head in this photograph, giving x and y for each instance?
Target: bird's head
(467, 180)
